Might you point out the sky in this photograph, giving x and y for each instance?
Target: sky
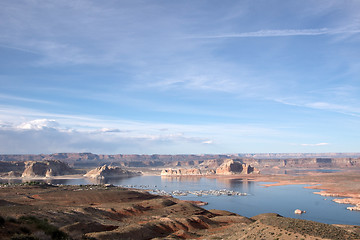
(179, 77)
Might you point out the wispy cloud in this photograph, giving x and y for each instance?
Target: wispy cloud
(20, 49)
(201, 82)
(314, 144)
(282, 33)
(24, 99)
(333, 107)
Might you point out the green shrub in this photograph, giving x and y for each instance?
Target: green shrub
(43, 225)
(11, 219)
(2, 221)
(25, 230)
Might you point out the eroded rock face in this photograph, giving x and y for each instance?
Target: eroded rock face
(212, 163)
(233, 167)
(46, 169)
(110, 172)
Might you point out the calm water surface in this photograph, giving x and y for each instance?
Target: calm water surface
(278, 199)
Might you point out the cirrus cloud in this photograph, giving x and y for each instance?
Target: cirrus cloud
(314, 144)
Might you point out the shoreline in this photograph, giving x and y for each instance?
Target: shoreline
(349, 195)
(338, 184)
(327, 188)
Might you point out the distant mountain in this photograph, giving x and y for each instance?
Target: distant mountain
(258, 160)
(298, 155)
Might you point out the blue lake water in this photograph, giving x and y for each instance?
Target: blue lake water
(259, 199)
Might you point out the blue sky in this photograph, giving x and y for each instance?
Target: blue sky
(176, 77)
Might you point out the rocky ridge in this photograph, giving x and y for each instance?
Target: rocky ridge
(283, 160)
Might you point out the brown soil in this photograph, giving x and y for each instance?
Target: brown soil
(101, 212)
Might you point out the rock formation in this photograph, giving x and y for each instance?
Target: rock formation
(233, 167)
(211, 164)
(46, 169)
(110, 172)
(227, 168)
(356, 208)
(11, 169)
(298, 211)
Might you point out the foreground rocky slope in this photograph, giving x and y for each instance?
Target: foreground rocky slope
(106, 212)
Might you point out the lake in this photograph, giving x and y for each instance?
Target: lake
(259, 199)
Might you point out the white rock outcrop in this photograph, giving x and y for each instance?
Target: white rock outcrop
(110, 172)
(298, 211)
(230, 167)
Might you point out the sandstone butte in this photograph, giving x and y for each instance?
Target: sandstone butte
(110, 172)
(45, 169)
(229, 167)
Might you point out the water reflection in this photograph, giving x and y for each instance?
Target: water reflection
(115, 181)
(72, 181)
(242, 184)
(181, 178)
(181, 182)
